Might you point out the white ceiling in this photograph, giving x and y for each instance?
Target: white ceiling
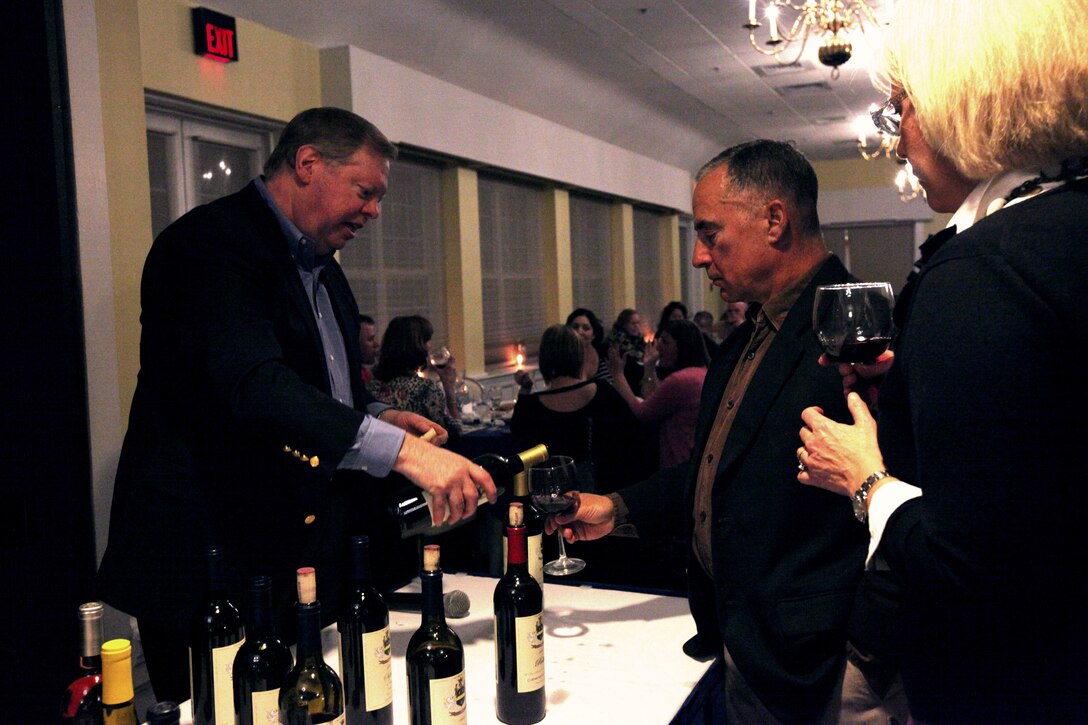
(675, 80)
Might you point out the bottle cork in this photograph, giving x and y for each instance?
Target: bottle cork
(306, 578)
(517, 514)
(430, 557)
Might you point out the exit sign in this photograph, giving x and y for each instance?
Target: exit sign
(214, 35)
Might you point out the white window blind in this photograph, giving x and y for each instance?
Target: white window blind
(591, 256)
(512, 257)
(395, 264)
(648, 293)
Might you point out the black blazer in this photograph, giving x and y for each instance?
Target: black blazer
(985, 410)
(787, 558)
(233, 437)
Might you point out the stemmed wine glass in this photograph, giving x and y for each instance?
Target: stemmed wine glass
(552, 485)
(853, 322)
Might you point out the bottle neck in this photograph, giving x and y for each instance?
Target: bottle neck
(260, 612)
(90, 665)
(432, 606)
(309, 632)
(360, 567)
(117, 679)
(516, 546)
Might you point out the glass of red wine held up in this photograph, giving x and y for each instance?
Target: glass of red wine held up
(552, 487)
(853, 322)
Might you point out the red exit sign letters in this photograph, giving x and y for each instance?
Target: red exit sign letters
(214, 35)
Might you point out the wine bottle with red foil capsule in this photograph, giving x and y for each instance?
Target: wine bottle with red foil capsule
(519, 633)
(534, 527)
(82, 704)
(262, 663)
(117, 691)
(366, 657)
(436, 657)
(313, 692)
(217, 636)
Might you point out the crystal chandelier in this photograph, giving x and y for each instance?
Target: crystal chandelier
(790, 24)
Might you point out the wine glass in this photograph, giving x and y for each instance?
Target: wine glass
(853, 322)
(438, 358)
(551, 486)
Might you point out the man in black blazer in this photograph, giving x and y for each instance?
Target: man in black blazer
(250, 426)
(773, 571)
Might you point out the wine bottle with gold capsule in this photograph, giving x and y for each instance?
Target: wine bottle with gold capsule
(117, 692)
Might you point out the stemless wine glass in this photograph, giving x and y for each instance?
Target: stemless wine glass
(853, 322)
(439, 357)
(551, 485)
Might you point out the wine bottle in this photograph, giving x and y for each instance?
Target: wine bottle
(262, 663)
(217, 636)
(534, 529)
(312, 693)
(366, 659)
(519, 633)
(412, 507)
(164, 713)
(436, 658)
(82, 703)
(117, 692)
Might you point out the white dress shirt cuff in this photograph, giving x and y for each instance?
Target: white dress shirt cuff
(375, 449)
(882, 504)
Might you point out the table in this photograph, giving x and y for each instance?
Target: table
(610, 656)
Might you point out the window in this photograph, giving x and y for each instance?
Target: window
(591, 255)
(197, 155)
(648, 262)
(395, 264)
(511, 256)
(881, 252)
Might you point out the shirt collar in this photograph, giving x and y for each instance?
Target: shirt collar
(989, 196)
(301, 246)
(778, 307)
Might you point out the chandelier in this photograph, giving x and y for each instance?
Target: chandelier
(792, 22)
(905, 180)
(907, 183)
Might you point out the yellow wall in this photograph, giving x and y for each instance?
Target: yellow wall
(276, 76)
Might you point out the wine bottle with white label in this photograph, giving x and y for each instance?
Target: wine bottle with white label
(519, 633)
(217, 636)
(534, 529)
(262, 663)
(313, 692)
(414, 511)
(366, 658)
(436, 658)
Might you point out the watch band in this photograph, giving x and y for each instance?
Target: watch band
(862, 494)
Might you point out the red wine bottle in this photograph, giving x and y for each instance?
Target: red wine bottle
(312, 693)
(436, 658)
(366, 658)
(217, 636)
(82, 703)
(262, 663)
(519, 633)
(534, 528)
(117, 692)
(412, 507)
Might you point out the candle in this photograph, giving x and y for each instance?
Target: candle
(751, 12)
(521, 360)
(772, 15)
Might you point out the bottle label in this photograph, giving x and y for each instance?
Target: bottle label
(536, 558)
(223, 680)
(529, 645)
(448, 703)
(377, 669)
(266, 707)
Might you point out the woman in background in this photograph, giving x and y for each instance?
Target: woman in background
(626, 337)
(591, 332)
(405, 347)
(584, 419)
(672, 403)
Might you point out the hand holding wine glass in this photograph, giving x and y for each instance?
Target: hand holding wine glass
(552, 488)
(853, 322)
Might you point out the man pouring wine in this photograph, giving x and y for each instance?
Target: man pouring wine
(770, 565)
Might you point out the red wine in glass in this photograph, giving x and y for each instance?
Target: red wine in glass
(853, 322)
(553, 503)
(552, 486)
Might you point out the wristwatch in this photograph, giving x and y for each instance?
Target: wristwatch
(863, 493)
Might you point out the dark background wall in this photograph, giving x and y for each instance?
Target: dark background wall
(46, 522)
